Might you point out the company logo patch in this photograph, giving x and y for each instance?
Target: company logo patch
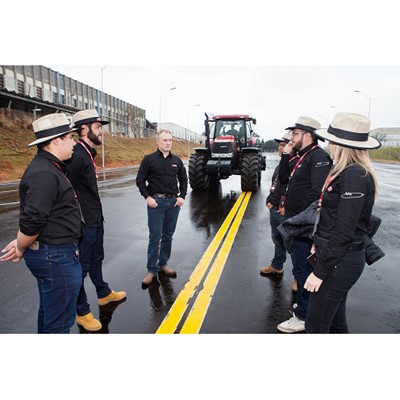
(321, 164)
(352, 195)
(174, 165)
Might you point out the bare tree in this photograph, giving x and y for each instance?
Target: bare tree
(136, 121)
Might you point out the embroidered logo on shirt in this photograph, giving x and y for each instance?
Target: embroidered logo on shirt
(174, 165)
(352, 195)
(321, 164)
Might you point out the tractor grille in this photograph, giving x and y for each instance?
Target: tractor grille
(222, 148)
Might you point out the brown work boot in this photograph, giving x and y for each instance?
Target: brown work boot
(148, 279)
(89, 322)
(168, 271)
(113, 296)
(270, 270)
(294, 286)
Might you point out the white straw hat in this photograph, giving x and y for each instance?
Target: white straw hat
(350, 130)
(285, 137)
(87, 117)
(51, 126)
(306, 124)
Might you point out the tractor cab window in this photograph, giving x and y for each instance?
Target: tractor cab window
(234, 128)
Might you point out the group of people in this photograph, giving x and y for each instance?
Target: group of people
(320, 208)
(61, 220)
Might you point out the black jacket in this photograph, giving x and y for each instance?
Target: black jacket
(48, 206)
(82, 174)
(306, 183)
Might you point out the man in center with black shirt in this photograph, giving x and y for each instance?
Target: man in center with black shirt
(157, 180)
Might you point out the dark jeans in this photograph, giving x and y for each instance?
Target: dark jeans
(162, 222)
(59, 277)
(275, 220)
(327, 307)
(300, 250)
(91, 254)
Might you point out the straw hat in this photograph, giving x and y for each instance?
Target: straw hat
(87, 117)
(285, 137)
(306, 124)
(350, 130)
(51, 126)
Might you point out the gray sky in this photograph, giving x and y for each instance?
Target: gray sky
(275, 95)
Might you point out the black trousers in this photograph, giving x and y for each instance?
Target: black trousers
(326, 311)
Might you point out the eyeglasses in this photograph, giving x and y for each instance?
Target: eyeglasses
(298, 132)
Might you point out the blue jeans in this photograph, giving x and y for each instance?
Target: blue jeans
(275, 220)
(300, 250)
(91, 254)
(162, 222)
(327, 307)
(59, 277)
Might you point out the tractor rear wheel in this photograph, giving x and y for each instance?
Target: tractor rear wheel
(250, 173)
(198, 179)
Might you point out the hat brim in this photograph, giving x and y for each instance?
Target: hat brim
(47, 138)
(282, 140)
(371, 143)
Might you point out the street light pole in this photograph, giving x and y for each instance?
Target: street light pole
(101, 116)
(188, 130)
(369, 101)
(159, 108)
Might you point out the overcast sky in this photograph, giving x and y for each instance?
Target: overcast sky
(275, 95)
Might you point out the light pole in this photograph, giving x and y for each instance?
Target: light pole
(159, 108)
(369, 101)
(188, 130)
(101, 116)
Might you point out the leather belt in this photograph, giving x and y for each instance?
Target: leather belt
(162, 195)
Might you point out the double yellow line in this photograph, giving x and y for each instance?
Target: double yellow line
(195, 318)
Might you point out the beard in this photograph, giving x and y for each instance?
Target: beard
(297, 146)
(95, 139)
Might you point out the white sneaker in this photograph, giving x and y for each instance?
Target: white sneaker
(292, 325)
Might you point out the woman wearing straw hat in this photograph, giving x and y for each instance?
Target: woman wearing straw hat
(345, 208)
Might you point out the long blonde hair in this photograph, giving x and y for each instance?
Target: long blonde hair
(345, 157)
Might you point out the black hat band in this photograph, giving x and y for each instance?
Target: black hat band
(52, 131)
(341, 134)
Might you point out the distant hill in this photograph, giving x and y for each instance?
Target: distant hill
(16, 133)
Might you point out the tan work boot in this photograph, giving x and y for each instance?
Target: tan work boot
(148, 279)
(270, 270)
(294, 286)
(89, 322)
(168, 271)
(113, 296)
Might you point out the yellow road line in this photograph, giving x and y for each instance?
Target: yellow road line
(197, 313)
(177, 310)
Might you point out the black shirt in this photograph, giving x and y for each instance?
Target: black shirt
(162, 175)
(47, 202)
(345, 214)
(82, 174)
(306, 183)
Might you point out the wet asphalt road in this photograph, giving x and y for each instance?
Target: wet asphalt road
(243, 301)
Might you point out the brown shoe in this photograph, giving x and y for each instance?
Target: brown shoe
(294, 286)
(113, 296)
(148, 279)
(270, 270)
(168, 271)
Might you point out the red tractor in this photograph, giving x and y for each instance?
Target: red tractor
(231, 149)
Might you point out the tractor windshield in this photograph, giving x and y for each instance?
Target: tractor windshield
(236, 128)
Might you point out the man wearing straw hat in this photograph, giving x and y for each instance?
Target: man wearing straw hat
(304, 187)
(83, 174)
(50, 225)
